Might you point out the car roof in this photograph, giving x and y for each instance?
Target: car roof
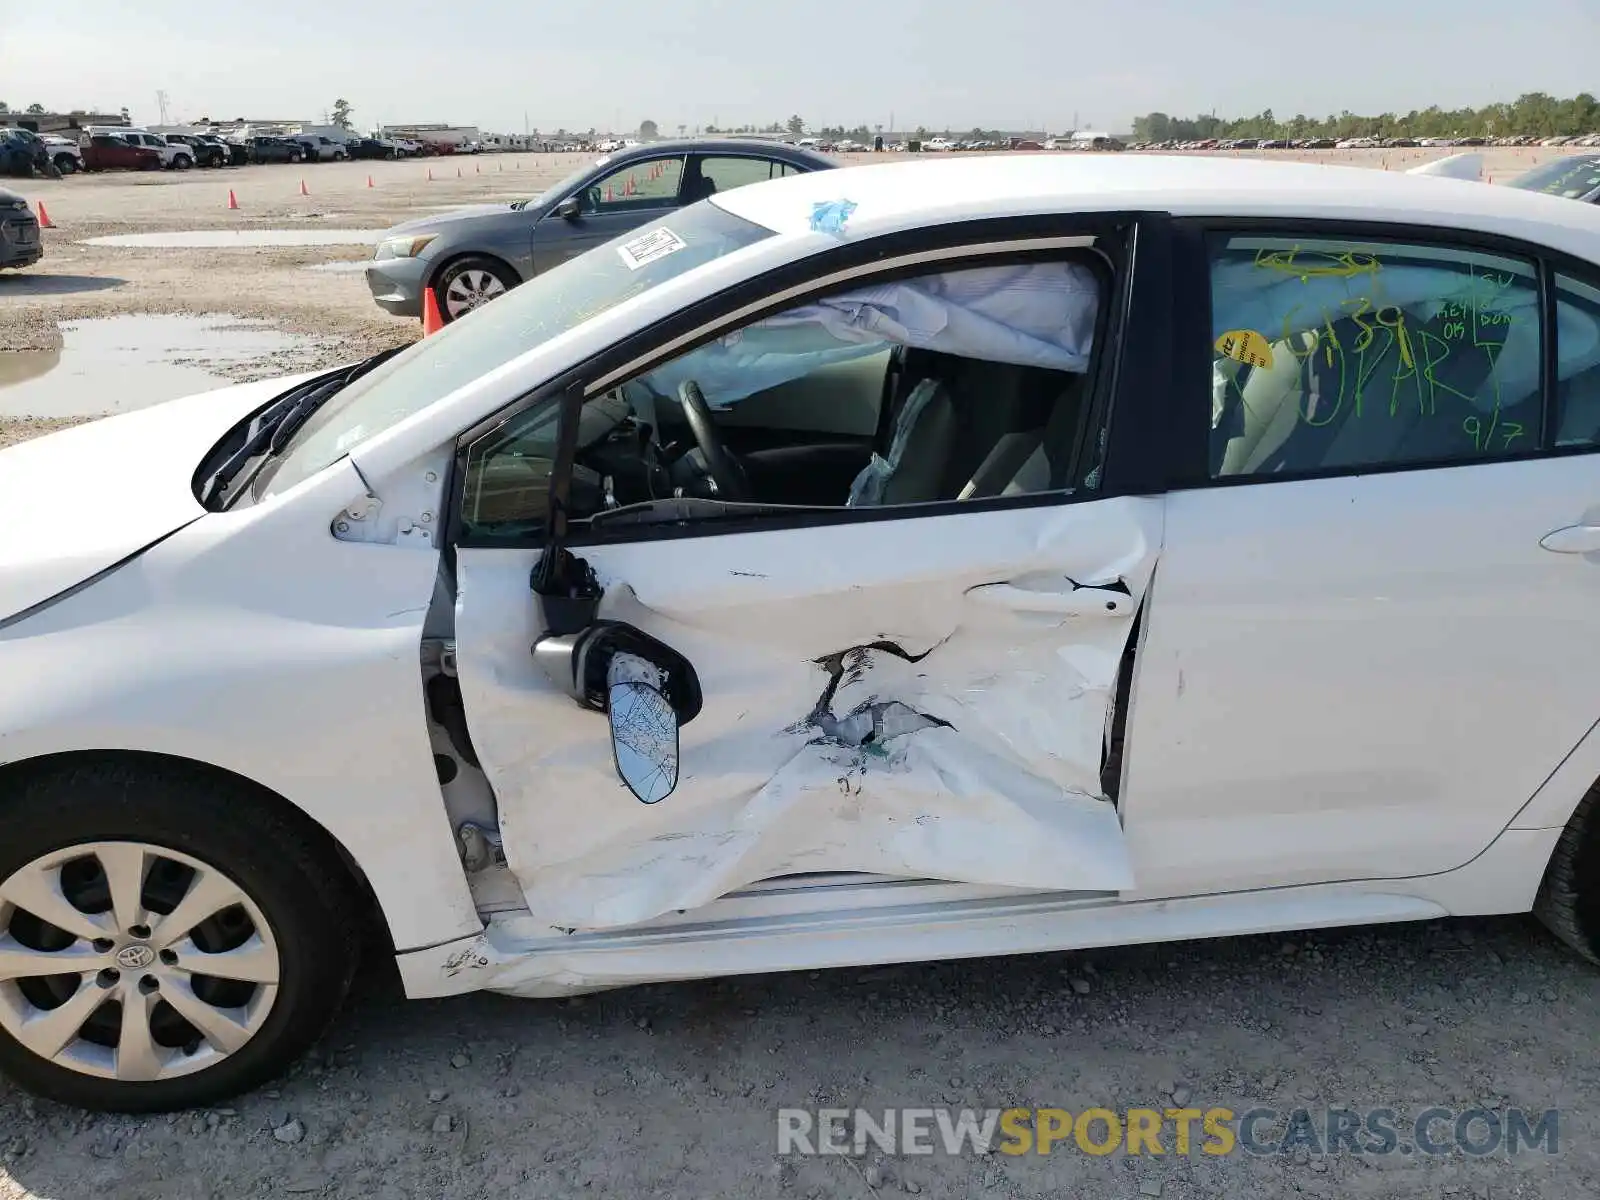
(759, 146)
(907, 194)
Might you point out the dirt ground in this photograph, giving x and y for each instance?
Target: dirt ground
(673, 1091)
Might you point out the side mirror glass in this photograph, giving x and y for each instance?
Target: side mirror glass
(644, 728)
(570, 208)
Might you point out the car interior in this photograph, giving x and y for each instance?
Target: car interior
(880, 420)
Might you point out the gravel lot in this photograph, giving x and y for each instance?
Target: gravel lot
(672, 1091)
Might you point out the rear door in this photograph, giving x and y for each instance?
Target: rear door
(610, 205)
(1376, 627)
(919, 691)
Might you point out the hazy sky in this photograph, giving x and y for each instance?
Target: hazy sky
(938, 63)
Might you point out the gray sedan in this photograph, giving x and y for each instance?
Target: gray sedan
(470, 256)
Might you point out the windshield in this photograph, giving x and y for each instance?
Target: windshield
(1568, 177)
(528, 316)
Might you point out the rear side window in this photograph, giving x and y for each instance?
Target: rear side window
(1577, 362)
(730, 171)
(1333, 355)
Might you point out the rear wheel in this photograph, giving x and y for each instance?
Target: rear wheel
(1569, 897)
(154, 954)
(66, 164)
(470, 283)
(182, 162)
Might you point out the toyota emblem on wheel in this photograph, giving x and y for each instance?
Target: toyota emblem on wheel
(136, 957)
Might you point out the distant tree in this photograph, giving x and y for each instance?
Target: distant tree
(681, 129)
(712, 129)
(4, 107)
(35, 109)
(922, 132)
(648, 131)
(795, 125)
(1534, 114)
(341, 113)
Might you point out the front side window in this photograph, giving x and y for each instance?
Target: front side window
(959, 385)
(1332, 354)
(640, 185)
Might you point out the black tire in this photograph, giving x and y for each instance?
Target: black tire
(472, 262)
(1569, 897)
(292, 874)
(181, 162)
(66, 164)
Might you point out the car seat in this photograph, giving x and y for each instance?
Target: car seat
(701, 187)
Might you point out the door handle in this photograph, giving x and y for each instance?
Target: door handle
(1079, 602)
(1574, 539)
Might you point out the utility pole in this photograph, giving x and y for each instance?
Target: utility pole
(161, 103)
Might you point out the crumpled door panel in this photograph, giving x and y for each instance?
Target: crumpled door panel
(868, 707)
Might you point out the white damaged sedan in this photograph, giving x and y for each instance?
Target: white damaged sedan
(894, 563)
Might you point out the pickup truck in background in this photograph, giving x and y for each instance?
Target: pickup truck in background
(64, 152)
(106, 151)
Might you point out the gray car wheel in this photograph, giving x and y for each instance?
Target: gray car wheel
(470, 283)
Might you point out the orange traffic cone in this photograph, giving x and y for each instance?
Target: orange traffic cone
(477, 168)
(44, 218)
(369, 180)
(304, 191)
(458, 172)
(232, 200)
(499, 166)
(609, 195)
(432, 322)
(628, 191)
(430, 174)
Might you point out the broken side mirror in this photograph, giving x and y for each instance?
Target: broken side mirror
(644, 727)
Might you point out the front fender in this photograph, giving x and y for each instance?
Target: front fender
(257, 642)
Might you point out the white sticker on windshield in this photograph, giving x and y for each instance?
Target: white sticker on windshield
(658, 243)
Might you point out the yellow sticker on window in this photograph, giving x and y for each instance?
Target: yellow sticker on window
(1246, 346)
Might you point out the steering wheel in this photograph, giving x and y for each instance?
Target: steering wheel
(724, 467)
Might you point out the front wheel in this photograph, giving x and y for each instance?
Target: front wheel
(182, 162)
(167, 938)
(66, 164)
(470, 283)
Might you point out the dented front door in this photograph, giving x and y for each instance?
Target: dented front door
(924, 697)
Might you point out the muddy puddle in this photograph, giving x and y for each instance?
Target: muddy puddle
(114, 364)
(224, 239)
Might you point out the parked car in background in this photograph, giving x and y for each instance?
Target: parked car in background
(374, 148)
(178, 156)
(1576, 177)
(320, 149)
(205, 152)
(22, 152)
(107, 151)
(266, 149)
(473, 255)
(20, 243)
(64, 152)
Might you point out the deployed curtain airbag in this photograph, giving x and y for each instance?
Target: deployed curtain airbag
(1028, 314)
